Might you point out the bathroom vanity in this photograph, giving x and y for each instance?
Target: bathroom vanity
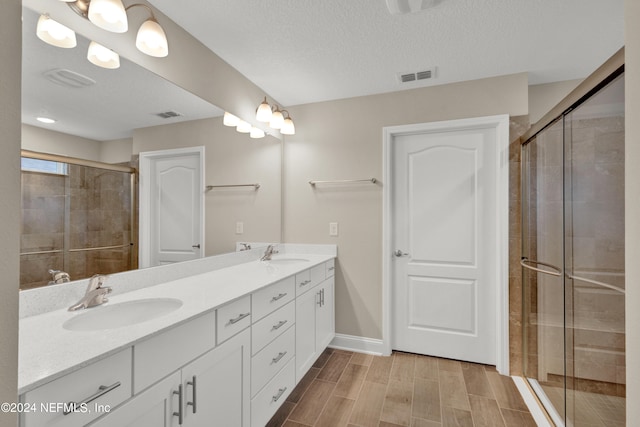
(221, 348)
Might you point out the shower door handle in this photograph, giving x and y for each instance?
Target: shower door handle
(555, 271)
(399, 253)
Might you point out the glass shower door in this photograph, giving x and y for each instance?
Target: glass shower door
(594, 259)
(542, 265)
(573, 262)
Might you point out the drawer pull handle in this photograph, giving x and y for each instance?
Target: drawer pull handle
(331, 268)
(279, 395)
(279, 325)
(280, 296)
(239, 318)
(179, 414)
(278, 357)
(193, 384)
(305, 283)
(102, 390)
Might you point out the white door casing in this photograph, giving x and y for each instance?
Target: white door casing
(446, 207)
(171, 206)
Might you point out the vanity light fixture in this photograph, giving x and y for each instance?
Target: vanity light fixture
(54, 33)
(256, 133)
(275, 117)
(230, 120)
(111, 15)
(288, 128)
(263, 113)
(243, 127)
(102, 56)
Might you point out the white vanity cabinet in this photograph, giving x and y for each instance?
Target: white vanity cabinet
(315, 324)
(232, 366)
(81, 396)
(212, 390)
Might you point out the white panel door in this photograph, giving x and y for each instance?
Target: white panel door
(171, 206)
(444, 228)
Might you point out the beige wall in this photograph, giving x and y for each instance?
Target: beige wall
(10, 54)
(632, 210)
(49, 141)
(231, 158)
(542, 98)
(116, 151)
(343, 140)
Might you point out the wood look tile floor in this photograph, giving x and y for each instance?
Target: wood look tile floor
(357, 390)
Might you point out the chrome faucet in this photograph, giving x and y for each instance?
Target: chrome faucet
(271, 249)
(95, 294)
(58, 276)
(245, 246)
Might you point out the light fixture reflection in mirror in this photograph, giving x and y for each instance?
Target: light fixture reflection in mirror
(102, 56)
(108, 15)
(54, 33)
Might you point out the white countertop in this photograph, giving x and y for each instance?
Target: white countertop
(48, 351)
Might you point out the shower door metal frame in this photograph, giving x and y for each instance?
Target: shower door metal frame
(133, 234)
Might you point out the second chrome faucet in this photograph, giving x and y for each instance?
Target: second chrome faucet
(95, 294)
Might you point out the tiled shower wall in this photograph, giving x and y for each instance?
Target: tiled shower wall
(87, 208)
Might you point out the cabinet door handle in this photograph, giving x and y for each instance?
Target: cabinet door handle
(319, 293)
(278, 357)
(102, 390)
(322, 296)
(279, 325)
(239, 318)
(305, 283)
(193, 384)
(179, 414)
(280, 296)
(279, 394)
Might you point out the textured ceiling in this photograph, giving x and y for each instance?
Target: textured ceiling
(302, 51)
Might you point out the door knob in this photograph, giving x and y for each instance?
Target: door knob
(399, 253)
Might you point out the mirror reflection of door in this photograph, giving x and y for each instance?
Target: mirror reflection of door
(171, 206)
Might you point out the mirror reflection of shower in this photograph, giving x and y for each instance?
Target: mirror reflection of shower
(77, 219)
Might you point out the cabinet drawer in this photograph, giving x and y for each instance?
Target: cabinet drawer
(233, 318)
(307, 279)
(330, 268)
(158, 356)
(271, 359)
(269, 399)
(272, 297)
(272, 326)
(106, 382)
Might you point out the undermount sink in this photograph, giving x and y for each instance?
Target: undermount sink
(122, 314)
(286, 261)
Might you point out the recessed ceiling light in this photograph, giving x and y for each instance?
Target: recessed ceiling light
(46, 120)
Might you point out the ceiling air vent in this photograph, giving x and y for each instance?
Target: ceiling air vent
(68, 78)
(168, 114)
(417, 76)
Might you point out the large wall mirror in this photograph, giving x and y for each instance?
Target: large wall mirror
(82, 218)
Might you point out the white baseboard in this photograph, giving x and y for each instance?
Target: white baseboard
(537, 412)
(357, 344)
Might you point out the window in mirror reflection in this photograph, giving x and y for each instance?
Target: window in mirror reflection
(44, 166)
